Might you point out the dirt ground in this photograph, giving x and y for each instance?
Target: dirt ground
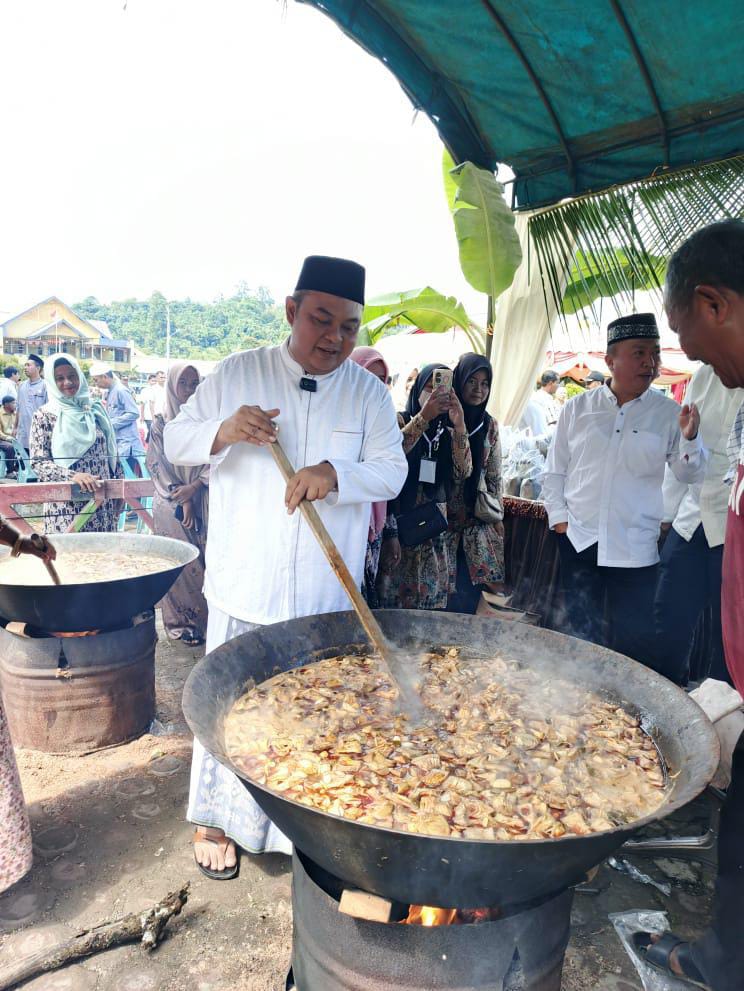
(110, 838)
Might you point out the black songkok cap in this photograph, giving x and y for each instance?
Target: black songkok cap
(336, 276)
(39, 361)
(634, 325)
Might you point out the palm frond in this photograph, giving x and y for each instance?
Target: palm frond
(622, 237)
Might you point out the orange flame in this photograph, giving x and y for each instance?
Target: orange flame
(428, 915)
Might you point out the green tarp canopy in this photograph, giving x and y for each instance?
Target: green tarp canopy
(574, 95)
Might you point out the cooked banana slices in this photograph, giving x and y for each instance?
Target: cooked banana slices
(503, 757)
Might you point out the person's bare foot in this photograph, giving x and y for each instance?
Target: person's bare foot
(213, 850)
(674, 964)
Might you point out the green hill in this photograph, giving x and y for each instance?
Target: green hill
(198, 330)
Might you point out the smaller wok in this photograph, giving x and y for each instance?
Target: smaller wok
(105, 605)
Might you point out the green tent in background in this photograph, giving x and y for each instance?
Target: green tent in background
(576, 96)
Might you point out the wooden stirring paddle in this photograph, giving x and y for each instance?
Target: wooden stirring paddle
(38, 542)
(396, 662)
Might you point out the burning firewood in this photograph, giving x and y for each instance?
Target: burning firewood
(146, 927)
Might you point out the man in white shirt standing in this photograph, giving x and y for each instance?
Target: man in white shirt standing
(603, 489)
(543, 409)
(692, 555)
(338, 427)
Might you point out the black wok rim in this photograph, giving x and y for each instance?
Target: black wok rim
(184, 548)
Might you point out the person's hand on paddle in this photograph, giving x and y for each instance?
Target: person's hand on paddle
(249, 424)
(689, 421)
(560, 528)
(311, 483)
(390, 553)
(437, 403)
(39, 546)
(86, 481)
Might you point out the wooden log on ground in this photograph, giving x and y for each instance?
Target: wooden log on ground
(145, 927)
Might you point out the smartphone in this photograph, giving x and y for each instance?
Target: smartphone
(442, 377)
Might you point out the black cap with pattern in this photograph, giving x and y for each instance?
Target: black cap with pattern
(634, 325)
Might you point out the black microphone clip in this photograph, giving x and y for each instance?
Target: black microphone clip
(308, 385)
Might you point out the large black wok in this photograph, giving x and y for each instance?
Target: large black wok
(436, 870)
(104, 605)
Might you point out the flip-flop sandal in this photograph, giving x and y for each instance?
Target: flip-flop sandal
(191, 637)
(229, 872)
(658, 955)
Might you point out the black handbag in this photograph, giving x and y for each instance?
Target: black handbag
(420, 524)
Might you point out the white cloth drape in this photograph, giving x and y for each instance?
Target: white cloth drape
(524, 316)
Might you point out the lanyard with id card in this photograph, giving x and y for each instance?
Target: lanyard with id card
(428, 464)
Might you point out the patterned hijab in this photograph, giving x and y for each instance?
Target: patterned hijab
(74, 431)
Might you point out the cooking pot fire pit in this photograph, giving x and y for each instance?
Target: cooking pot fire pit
(471, 950)
(520, 889)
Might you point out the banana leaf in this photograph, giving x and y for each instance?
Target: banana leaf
(425, 308)
(488, 243)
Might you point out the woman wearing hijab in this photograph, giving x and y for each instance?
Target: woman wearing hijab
(72, 440)
(180, 509)
(475, 533)
(376, 365)
(436, 446)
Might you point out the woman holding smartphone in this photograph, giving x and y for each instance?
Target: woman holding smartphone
(475, 513)
(415, 573)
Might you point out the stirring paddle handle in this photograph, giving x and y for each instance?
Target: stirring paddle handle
(36, 539)
(335, 560)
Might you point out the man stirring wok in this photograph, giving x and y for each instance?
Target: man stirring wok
(338, 427)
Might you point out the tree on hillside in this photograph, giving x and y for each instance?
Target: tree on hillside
(247, 319)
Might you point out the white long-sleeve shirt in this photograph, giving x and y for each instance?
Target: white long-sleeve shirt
(706, 502)
(605, 471)
(540, 414)
(264, 566)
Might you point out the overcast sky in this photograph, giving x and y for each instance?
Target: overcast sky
(186, 145)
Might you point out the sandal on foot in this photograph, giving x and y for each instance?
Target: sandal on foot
(191, 637)
(659, 956)
(200, 836)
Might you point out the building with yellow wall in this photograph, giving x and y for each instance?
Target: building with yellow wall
(51, 326)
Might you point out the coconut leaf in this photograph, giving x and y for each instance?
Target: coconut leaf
(594, 275)
(489, 246)
(622, 234)
(424, 308)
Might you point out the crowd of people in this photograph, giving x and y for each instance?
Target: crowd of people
(87, 434)
(414, 502)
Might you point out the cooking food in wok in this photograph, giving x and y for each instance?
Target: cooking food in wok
(504, 756)
(443, 870)
(78, 567)
(118, 576)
